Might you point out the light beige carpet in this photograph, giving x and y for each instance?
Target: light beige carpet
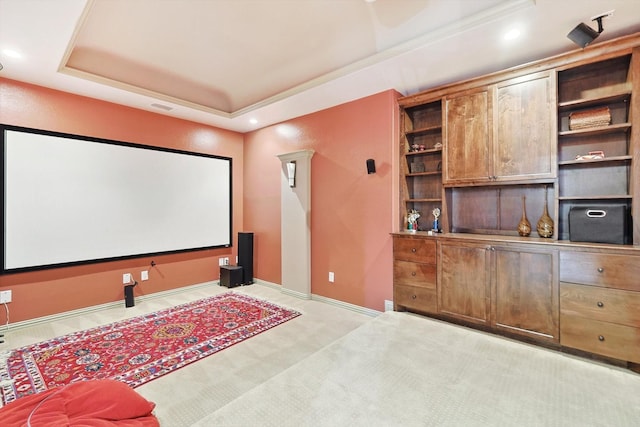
(402, 370)
(334, 367)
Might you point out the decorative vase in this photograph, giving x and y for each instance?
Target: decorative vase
(545, 223)
(524, 226)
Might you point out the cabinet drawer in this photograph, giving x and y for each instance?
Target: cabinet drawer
(414, 249)
(617, 341)
(415, 298)
(608, 305)
(414, 273)
(613, 271)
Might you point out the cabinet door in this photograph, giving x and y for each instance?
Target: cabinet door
(525, 289)
(467, 144)
(524, 128)
(463, 275)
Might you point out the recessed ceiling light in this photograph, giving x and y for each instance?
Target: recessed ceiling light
(11, 53)
(253, 121)
(513, 33)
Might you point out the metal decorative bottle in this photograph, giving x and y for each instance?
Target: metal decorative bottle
(545, 223)
(524, 226)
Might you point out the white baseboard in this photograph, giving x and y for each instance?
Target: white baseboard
(358, 309)
(94, 308)
(313, 297)
(283, 290)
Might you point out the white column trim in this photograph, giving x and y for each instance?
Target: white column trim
(295, 221)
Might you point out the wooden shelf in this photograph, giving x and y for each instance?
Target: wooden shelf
(424, 152)
(424, 130)
(620, 127)
(607, 98)
(604, 160)
(423, 174)
(601, 197)
(423, 200)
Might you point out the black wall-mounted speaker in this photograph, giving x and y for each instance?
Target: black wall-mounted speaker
(245, 256)
(371, 166)
(582, 35)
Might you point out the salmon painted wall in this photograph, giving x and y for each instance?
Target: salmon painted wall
(46, 292)
(351, 211)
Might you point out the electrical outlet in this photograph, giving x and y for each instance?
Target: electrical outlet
(226, 261)
(332, 277)
(220, 261)
(144, 275)
(5, 297)
(126, 278)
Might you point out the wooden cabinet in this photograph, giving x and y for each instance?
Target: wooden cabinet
(525, 291)
(421, 167)
(521, 132)
(513, 289)
(600, 303)
(463, 290)
(501, 133)
(524, 128)
(414, 274)
(499, 147)
(595, 144)
(468, 138)
(476, 149)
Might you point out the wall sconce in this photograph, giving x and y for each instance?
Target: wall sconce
(291, 173)
(583, 34)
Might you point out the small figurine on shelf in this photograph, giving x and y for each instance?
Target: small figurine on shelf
(414, 147)
(412, 220)
(436, 222)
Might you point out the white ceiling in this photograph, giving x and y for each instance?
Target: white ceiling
(223, 62)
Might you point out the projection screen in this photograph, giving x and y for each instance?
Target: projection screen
(71, 199)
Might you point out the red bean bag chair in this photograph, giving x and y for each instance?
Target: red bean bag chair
(96, 403)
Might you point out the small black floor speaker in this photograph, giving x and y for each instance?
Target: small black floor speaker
(245, 256)
(129, 301)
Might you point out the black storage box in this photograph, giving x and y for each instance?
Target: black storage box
(600, 224)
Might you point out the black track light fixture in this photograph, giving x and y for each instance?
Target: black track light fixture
(583, 35)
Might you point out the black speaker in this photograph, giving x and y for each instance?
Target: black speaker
(582, 35)
(128, 296)
(371, 166)
(245, 256)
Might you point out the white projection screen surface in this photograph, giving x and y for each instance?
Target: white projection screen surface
(70, 199)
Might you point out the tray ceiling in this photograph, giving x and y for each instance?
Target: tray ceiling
(222, 62)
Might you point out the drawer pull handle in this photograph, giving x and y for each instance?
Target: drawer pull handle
(600, 270)
(413, 273)
(414, 297)
(601, 337)
(413, 250)
(600, 304)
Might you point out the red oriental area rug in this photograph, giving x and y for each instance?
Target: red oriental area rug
(139, 349)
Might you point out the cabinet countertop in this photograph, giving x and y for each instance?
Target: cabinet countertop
(509, 240)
